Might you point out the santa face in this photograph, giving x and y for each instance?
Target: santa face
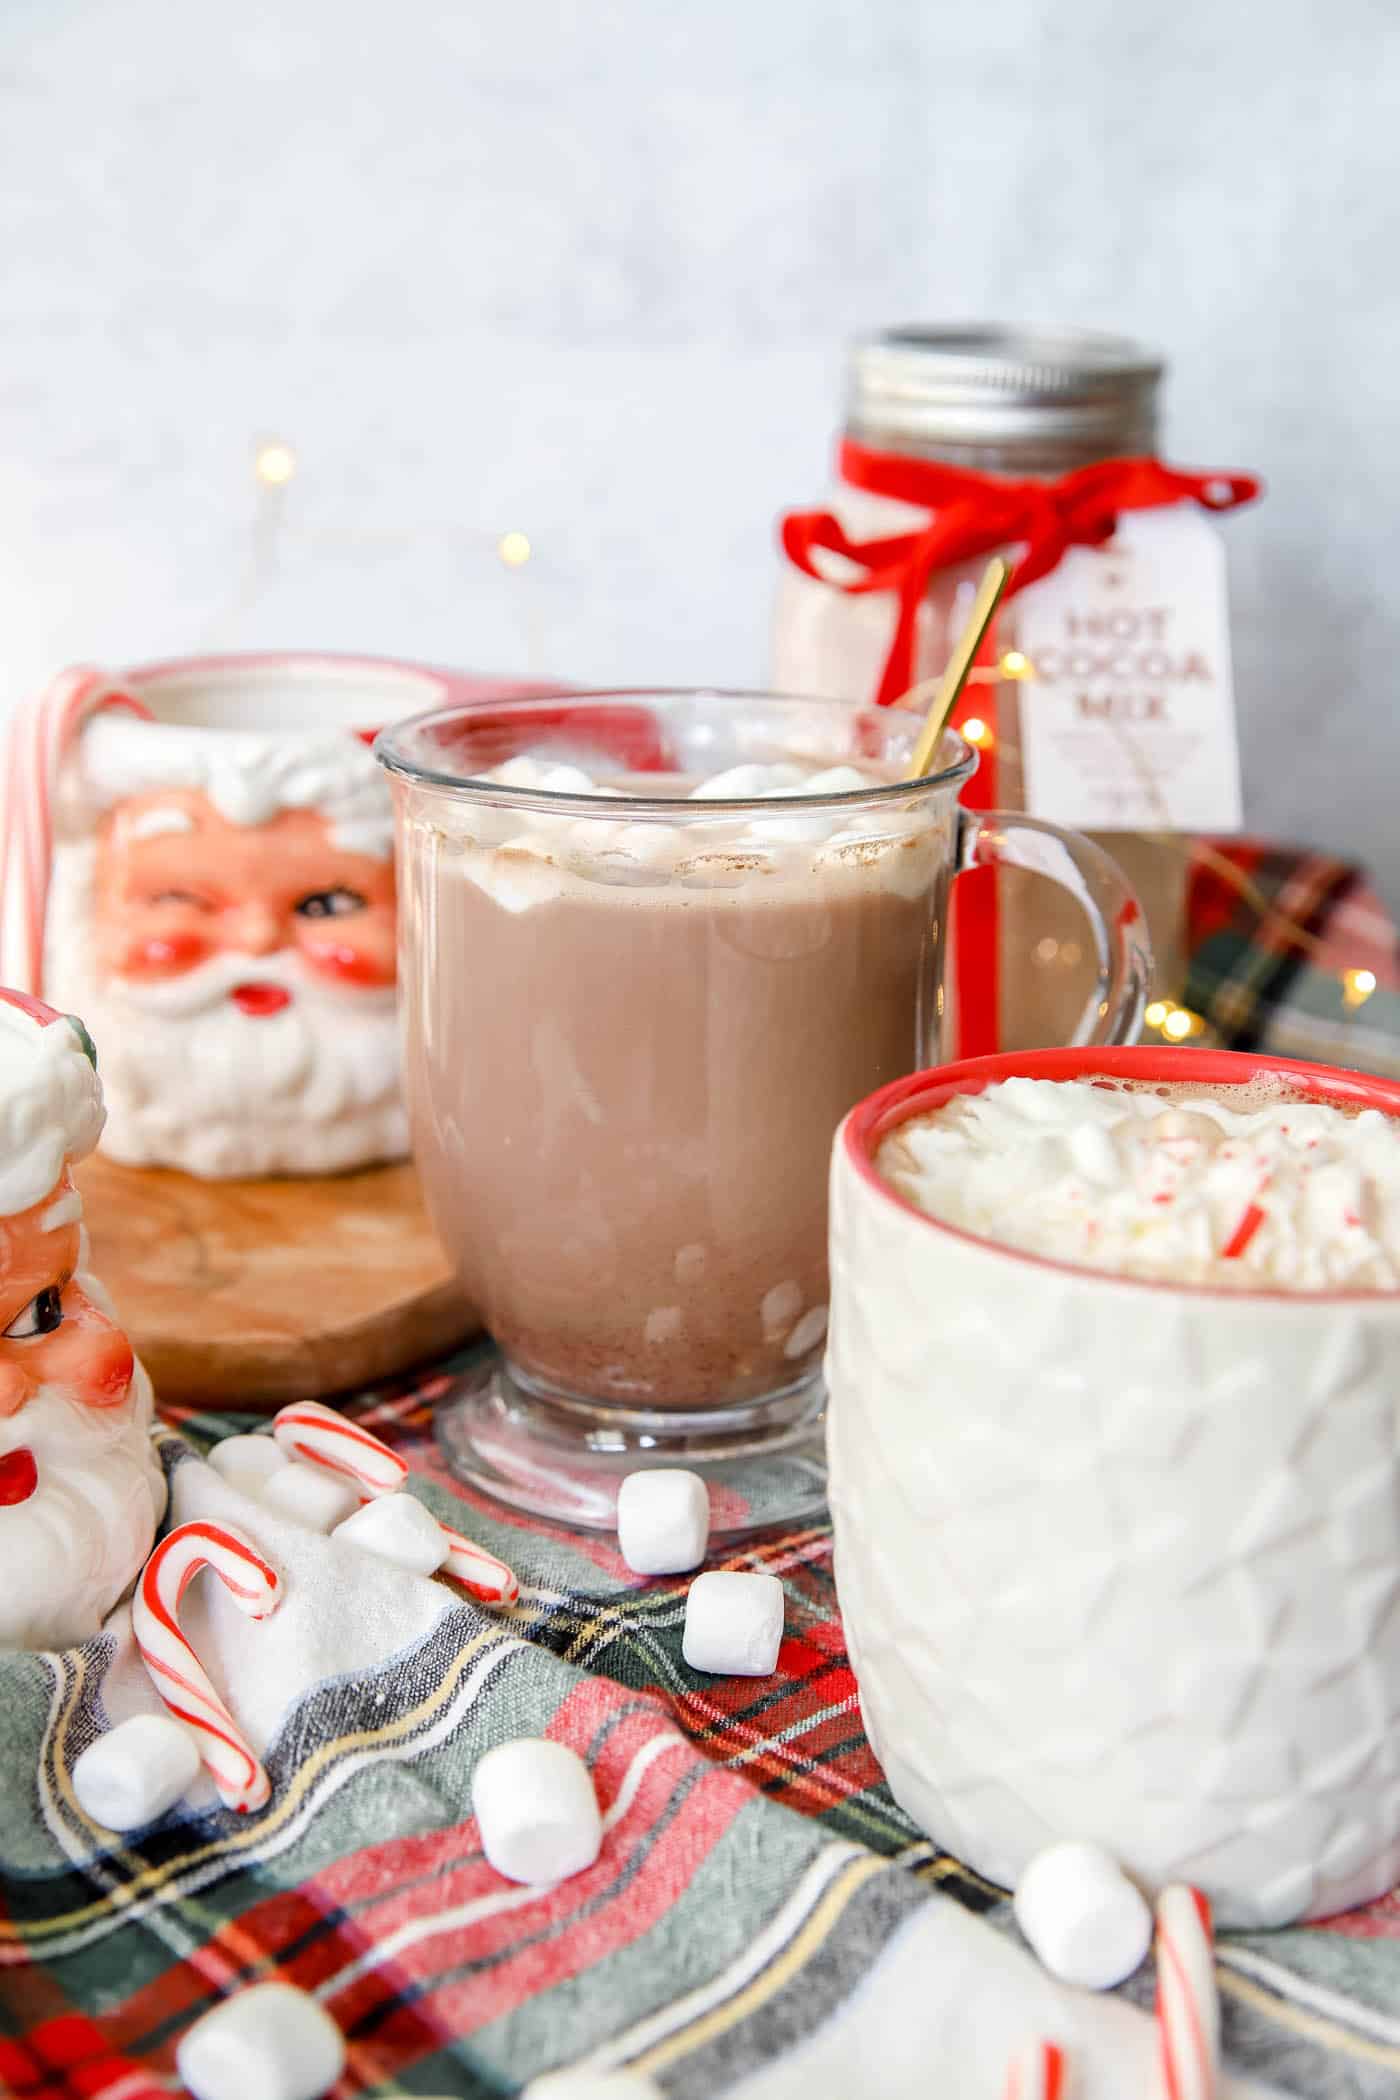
(240, 986)
(178, 884)
(81, 1491)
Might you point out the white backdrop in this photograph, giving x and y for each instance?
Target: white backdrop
(585, 271)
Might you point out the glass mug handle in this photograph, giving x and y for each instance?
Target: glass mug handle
(998, 838)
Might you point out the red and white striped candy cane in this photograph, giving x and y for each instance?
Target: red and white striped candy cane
(322, 1437)
(1036, 2072)
(38, 738)
(176, 1670)
(308, 1430)
(479, 1572)
(1188, 2001)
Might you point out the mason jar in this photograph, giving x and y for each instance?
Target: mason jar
(1026, 405)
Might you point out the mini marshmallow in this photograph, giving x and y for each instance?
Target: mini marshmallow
(747, 783)
(583, 2084)
(810, 1330)
(398, 1528)
(271, 2040)
(135, 1772)
(733, 1623)
(248, 1462)
(663, 1520)
(565, 780)
(536, 1810)
(836, 780)
(1082, 1915)
(311, 1496)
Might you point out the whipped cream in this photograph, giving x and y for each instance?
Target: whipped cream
(1272, 1191)
(524, 857)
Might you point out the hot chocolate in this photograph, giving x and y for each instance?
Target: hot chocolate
(1246, 1187)
(640, 1040)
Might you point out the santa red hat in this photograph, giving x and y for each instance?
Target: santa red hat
(50, 1098)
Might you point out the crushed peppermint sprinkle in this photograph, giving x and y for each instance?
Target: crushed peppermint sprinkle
(1244, 1187)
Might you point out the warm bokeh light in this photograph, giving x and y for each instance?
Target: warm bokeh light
(1015, 665)
(1156, 1013)
(1179, 1024)
(275, 463)
(514, 549)
(1357, 986)
(977, 732)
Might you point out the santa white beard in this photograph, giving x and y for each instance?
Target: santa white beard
(192, 1081)
(69, 1552)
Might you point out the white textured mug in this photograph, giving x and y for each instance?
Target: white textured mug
(1118, 1559)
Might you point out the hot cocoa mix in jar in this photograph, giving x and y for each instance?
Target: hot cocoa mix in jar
(982, 438)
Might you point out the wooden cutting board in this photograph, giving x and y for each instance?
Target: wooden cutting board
(248, 1294)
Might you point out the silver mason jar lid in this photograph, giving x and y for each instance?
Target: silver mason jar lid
(926, 388)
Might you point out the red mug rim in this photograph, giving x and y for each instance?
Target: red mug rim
(872, 1119)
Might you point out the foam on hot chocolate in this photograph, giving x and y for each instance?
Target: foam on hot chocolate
(1251, 1186)
(523, 856)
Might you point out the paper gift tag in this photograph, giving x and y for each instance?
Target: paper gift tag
(1128, 716)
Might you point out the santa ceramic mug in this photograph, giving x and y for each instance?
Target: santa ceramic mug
(1118, 1559)
(199, 861)
(81, 1488)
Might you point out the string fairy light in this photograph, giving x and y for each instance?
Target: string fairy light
(279, 526)
(274, 463)
(1175, 1022)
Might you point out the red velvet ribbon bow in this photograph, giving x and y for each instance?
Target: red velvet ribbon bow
(976, 513)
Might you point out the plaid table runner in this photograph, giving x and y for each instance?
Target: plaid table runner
(763, 1919)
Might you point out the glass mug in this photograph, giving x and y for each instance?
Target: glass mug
(632, 1021)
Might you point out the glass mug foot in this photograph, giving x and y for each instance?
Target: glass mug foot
(765, 1465)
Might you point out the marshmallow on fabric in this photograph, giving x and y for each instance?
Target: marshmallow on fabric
(583, 2084)
(309, 1496)
(136, 1771)
(1083, 1916)
(271, 2041)
(536, 1810)
(398, 1528)
(663, 1520)
(247, 1462)
(733, 1623)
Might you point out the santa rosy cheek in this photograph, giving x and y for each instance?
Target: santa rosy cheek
(99, 1364)
(347, 965)
(112, 1376)
(163, 955)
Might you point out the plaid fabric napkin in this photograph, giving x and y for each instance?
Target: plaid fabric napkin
(1273, 937)
(763, 1920)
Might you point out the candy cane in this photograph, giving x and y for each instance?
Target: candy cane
(1188, 2002)
(175, 1669)
(308, 1430)
(39, 738)
(479, 1572)
(1036, 2072)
